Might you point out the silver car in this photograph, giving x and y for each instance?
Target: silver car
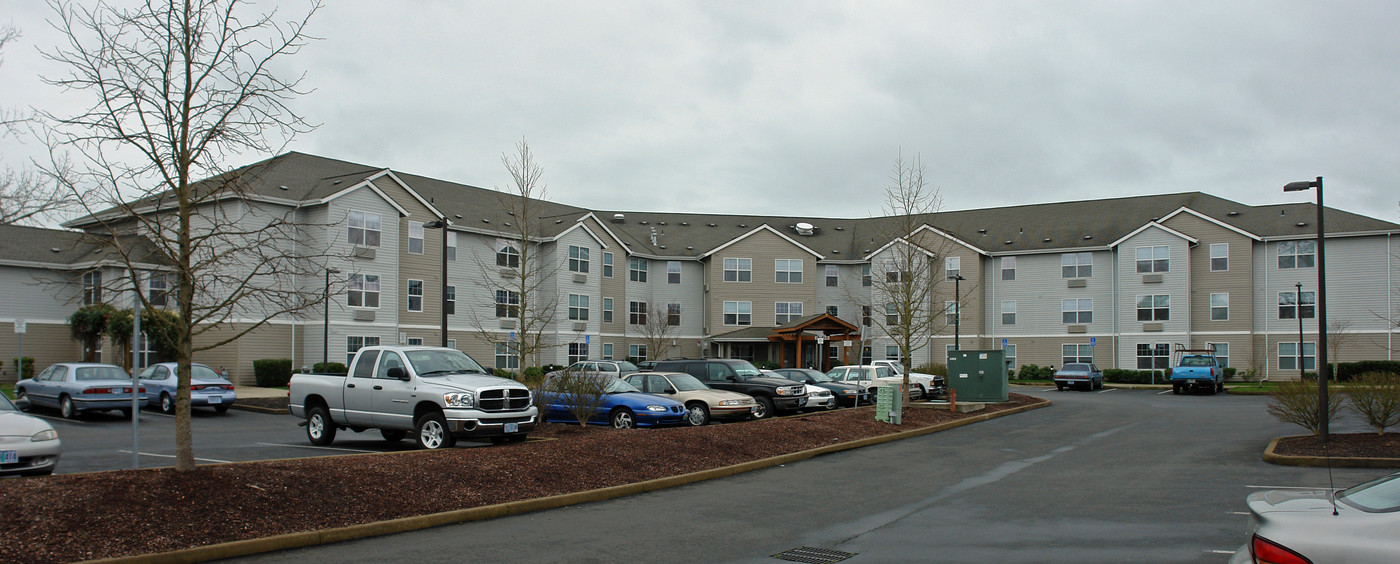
(1358, 524)
(28, 445)
(75, 387)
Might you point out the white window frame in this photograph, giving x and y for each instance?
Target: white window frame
(673, 314)
(950, 310)
(507, 356)
(1289, 302)
(450, 300)
(607, 265)
(411, 296)
(607, 310)
(452, 246)
(784, 312)
(578, 352)
(509, 307)
(1157, 307)
(673, 272)
(787, 271)
(1008, 268)
(1009, 353)
(507, 255)
(1309, 360)
(832, 275)
(1077, 265)
(158, 288)
(738, 269)
(1222, 353)
(415, 235)
(1076, 307)
(637, 269)
(1293, 254)
(952, 266)
(637, 352)
(1081, 352)
(1220, 306)
(738, 314)
(578, 307)
(1008, 308)
(1153, 259)
(365, 286)
(1219, 257)
(92, 287)
(578, 259)
(636, 312)
(354, 343)
(1158, 357)
(365, 229)
(607, 351)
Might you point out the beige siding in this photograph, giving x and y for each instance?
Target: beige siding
(763, 247)
(425, 267)
(46, 343)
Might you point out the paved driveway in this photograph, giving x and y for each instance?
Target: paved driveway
(1111, 476)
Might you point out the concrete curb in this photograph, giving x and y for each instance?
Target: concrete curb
(405, 524)
(261, 409)
(1334, 461)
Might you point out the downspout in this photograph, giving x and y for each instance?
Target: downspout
(1117, 337)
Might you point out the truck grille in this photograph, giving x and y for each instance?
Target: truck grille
(504, 399)
(797, 390)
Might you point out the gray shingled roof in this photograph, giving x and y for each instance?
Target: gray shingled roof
(63, 247)
(1038, 227)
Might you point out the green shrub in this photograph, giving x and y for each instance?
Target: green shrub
(25, 372)
(1229, 372)
(1345, 371)
(330, 368)
(534, 373)
(1121, 376)
(1376, 396)
(766, 365)
(1295, 402)
(933, 368)
(1034, 372)
(272, 372)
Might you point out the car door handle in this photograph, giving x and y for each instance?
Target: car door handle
(349, 385)
(379, 387)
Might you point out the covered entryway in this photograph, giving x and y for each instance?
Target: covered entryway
(815, 341)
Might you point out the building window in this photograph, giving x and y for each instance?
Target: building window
(673, 272)
(787, 271)
(950, 308)
(1290, 307)
(415, 341)
(787, 311)
(578, 259)
(354, 343)
(865, 355)
(578, 352)
(1008, 313)
(738, 270)
(1008, 355)
(507, 357)
(1076, 353)
(1154, 356)
(673, 315)
(831, 310)
(1222, 353)
(1077, 310)
(415, 295)
(1296, 254)
(1076, 265)
(1154, 307)
(415, 237)
(1008, 268)
(1288, 356)
(891, 352)
(578, 307)
(637, 313)
(158, 288)
(364, 228)
(865, 275)
(450, 300)
(607, 310)
(1153, 259)
(1219, 256)
(452, 246)
(607, 265)
(507, 256)
(637, 269)
(507, 304)
(607, 351)
(362, 290)
(952, 266)
(636, 353)
(865, 316)
(891, 314)
(92, 287)
(1220, 307)
(831, 275)
(738, 313)
(892, 271)
(452, 343)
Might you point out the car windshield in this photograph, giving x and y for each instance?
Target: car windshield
(436, 362)
(687, 383)
(744, 369)
(88, 373)
(618, 386)
(1197, 361)
(5, 404)
(816, 376)
(1375, 496)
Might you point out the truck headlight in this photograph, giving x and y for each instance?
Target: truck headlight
(459, 399)
(656, 408)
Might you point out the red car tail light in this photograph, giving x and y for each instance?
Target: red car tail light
(97, 391)
(1169, 373)
(1268, 552)
(196, 388)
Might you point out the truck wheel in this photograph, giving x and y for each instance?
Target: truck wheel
(1059, 387)
(320, 430)
(1219, 386)
(699, 414)
(923, 392)
(433, 433)
(765, 408)
(623, 419)
(393, 435)
(1176, 389)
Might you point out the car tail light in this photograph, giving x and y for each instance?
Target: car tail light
(1169, 372)
(99, 390)
(1268, 552)
(192, 388)
(230, 388)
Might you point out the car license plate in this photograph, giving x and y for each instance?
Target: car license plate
(1190, 381)
(9, 456)
(512, 427)
(215, 399)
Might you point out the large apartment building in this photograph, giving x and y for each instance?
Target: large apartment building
(1120, 281)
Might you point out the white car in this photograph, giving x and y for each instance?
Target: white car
(872, 377)
(928, 384)
(28, 445)
(817, 397)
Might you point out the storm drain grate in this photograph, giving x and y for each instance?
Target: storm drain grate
(813, 555)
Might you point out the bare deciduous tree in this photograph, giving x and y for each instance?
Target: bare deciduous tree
(178, 87)
(582, 395)
(25, 198)
(658, 331)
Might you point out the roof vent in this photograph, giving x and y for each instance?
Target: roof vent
(558, 221)
(840, 228)
(1007, 242)
(643, 222)
(283, 187)
(458, 216)
(511, 212)
(661, 246)
(710, 224)
(619, 218)
(982, 231)
(1302, 224)
(804, 228)
(507, 224)
(1233, 213)
(1087, 237)
(661, 223)
(685, 224)
(743, 225)
(836, 251)
(484, 220)
(56, 249)
(1045, 240)
(335, 182)
(689, 248)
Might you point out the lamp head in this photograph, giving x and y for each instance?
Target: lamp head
(436, 224)
(332, 270)
(1300, 186)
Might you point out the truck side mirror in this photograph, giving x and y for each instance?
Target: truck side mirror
(398, 373)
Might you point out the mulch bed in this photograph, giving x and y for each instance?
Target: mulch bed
(1360, 445)
(71, 517)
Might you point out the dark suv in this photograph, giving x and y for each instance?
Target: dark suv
(774, 395)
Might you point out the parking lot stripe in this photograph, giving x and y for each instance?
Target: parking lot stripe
(338, 449)
(1107, 390)
(1212, 551)
(215, 460)
(1163, 392)
(1289, 487)
(1237, 513)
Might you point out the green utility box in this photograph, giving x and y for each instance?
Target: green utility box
(887, 404)
(978, 375)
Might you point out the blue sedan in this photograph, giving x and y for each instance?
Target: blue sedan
(611, 400)
(75, 387)
(207, 387)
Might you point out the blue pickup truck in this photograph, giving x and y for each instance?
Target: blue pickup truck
(1196, 370)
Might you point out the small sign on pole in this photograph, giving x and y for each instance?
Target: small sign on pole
(19, 326)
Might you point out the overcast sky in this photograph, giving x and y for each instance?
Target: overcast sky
(799, 108)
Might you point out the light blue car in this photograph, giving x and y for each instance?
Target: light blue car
(75, 387)
(207, 387)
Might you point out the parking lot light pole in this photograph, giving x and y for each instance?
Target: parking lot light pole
(442, 224)
(326, 328)
(1298, 311)
(957, 303)
(1323, 369)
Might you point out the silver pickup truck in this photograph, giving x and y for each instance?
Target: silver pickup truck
(439, 394)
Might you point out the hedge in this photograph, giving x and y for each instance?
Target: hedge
(272, 372)
(27, 371)
(330, 368)
(1345, 371)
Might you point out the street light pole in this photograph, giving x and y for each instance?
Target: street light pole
(442, 224)
(326, 326)
(1323, 369)
(957, 305)
(1298, 311)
